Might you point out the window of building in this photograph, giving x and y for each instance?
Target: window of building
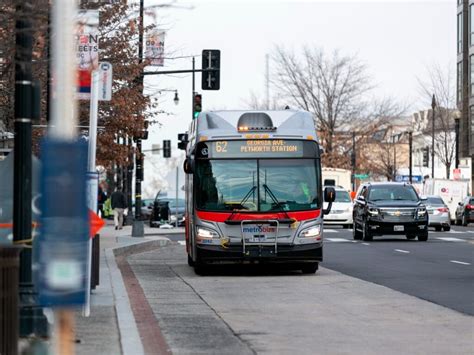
(471, 24)
(459, 80)
(460, 33)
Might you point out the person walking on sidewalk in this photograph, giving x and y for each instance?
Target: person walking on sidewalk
(119, 204)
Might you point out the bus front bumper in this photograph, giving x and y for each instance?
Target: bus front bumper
(211, 254)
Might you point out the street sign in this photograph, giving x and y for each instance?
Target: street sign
(361, 176)
(105, 81)
(406, 178)
(456, 174)
(95, 223)
(60, 254)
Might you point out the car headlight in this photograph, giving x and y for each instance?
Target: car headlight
(421, 212)
(313, 232)
(173, 218)
(373, 211)
(348, 209)
(204, 233)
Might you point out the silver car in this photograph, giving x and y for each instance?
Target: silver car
(438, 213)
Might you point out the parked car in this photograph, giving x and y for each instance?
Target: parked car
(465, 211)
(341, 210)
(146, 209)
(438, 213)
(164, 211)
(389, 208)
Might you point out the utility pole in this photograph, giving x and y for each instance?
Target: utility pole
(138, 228)
(353, 161)
(456, 132)
(433, 106)
(410, 155)
(31, 319)
(193, 90)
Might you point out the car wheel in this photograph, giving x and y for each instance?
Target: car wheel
(309, 268)
(410, 237)
(190, 261)
(356, 235)
(367, 235)
(438, 228)
(423, 237)
(447, 228)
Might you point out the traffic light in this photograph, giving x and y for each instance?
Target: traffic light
(211, 66)
(426, 157)
(182, 141)
(166, 148)
(197, 107)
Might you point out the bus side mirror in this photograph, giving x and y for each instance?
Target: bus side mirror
(188, 166)
(329, 196)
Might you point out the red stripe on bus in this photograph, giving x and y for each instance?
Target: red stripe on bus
(223, 216)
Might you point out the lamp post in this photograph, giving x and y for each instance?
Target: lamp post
(410, 156)
(433, 106)
(457, 117)
(394, 158)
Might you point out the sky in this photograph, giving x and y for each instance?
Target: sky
(397, 40)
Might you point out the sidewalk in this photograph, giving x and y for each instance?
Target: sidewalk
(111, 327)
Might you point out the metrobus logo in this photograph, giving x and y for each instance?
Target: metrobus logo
(259, 229)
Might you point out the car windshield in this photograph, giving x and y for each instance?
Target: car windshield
(257, 185)
(342, 196)
(434, 201)
(392, 193)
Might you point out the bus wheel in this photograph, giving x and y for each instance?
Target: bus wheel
(190, 261)
(309, 268)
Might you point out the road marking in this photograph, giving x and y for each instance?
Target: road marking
(330, 231)
(452, 231)
(182, 242)
(366, 243)
(338, 240)
(450, 239)
(459, 262)
(402, 251)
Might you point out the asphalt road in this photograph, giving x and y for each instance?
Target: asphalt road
(440, 270)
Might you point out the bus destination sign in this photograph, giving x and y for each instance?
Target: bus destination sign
(264, 148)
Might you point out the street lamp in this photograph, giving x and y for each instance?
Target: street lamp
(410, 156)
(433, 105)
(176, 98)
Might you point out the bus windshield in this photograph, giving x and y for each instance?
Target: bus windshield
(262, 185)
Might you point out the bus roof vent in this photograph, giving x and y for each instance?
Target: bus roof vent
(255, 121)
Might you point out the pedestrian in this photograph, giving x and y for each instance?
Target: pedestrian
(101, 198)
(119, 203)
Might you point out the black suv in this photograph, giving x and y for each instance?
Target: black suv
(389, 208)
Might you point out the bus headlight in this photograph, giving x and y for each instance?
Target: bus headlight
(313, 232)
(205, 235)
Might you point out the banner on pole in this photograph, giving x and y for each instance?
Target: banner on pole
(105, 81)
(87, 49)
(155, 47)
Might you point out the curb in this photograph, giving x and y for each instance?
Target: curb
(130, 340)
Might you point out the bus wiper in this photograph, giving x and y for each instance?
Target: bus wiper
(241, 203)
(275, 200)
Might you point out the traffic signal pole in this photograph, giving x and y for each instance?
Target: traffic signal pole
(138, 227)
(193, 92)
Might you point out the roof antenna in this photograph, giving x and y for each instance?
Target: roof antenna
(287, 107)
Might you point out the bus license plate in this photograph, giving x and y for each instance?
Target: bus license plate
(258, 239)
(398, 228)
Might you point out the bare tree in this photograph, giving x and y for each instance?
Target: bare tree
(441, 83)
(335, 88)
(255, 102)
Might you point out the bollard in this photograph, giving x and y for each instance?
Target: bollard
(9, 299)
(95, 262)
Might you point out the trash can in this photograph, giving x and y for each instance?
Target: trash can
(9, 298)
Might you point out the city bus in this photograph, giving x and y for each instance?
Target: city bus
(253, 189)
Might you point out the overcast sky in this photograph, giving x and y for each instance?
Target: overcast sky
(396, 39)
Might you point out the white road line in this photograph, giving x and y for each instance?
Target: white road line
(330, 231)
(452, 231)
(402, 251)
(366, 243)
(338, 240)
(450, 239)
(459, 262)
(182, 242)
